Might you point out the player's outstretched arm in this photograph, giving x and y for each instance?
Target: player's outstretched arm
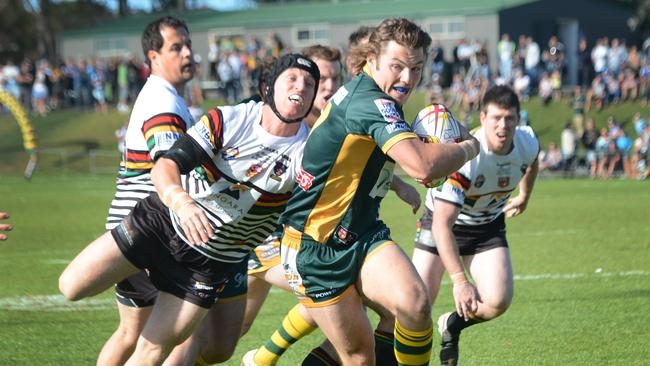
(4, 227)
(432, 161)
(517, 205)
(466, 297)
(406, 193)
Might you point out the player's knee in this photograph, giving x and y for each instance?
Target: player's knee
(414, 304)
(495, 307)
(152, 352)
(68, 287)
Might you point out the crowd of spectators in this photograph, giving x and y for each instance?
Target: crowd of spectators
(607, 72)
(85, 83)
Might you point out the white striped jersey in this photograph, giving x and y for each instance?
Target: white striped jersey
(251, 175)
(159, 117)
(483, 185)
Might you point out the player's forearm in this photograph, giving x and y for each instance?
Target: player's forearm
(443, 159)
(167, 179)
(528, 181)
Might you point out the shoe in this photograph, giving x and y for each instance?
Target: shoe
(248, 359)
(449, 342)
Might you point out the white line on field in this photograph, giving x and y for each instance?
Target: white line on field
(59, 303)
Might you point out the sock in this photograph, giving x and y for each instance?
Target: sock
(456, 323)
(412, 347)
(200, 361)
(293, 327)
(318, 357)
(384, 350)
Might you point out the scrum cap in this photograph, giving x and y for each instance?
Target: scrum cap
(286, 62)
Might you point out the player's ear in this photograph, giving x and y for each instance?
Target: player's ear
(152, 56)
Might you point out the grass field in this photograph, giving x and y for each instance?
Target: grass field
(581, 255)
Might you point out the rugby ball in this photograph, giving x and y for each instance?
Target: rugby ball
(435, 124)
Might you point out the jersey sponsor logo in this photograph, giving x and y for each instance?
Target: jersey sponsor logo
(303, 62)
(304, 180)
(344, 236)
(503, 169)
(388, 110)
(479, 181)
(320, 295)
(397, 126)
(340, 94)
(230, 153)
(503, 182)
(203, 131)
(239, 280)
(165, 140)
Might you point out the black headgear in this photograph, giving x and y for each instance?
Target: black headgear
(283, 63)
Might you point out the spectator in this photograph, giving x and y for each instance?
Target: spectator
(532, 60)
(551, 159)
(616, 56)
(521, 85)
(610, 160)
(578, 109)
(40, 91)
(589, 139)
(568, 141)
(640, 124)
(628, 85)
(545, 89)
(556, 85)
(599, 55)
(584, 64)
(624, 147)
(597, 94)
(505, 51)
(640, 157)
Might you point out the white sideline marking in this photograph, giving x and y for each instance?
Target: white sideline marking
(59, 303)
(56, 261)
(53, 303)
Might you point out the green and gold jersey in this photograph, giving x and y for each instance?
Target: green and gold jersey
(345, 171)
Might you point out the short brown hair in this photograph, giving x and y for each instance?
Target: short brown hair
(330, 54)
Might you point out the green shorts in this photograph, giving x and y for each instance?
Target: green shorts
(266, 255)
(320, 274)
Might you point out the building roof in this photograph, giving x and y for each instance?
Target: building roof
(282, 15)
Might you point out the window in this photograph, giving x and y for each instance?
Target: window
(306, 35)
(446, 28)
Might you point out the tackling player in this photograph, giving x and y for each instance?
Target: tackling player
(466, 217)
(190, 244)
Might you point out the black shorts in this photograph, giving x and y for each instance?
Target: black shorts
(136, 291)
(148, 240)
(471, 239)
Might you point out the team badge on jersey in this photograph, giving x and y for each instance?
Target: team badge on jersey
(279, 168)
(503, 182)
(304, 180)
(254, 170)
(388, 110)
(479, 181)
(230, 153)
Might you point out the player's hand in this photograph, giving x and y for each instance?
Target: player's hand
(466, 298)
(195, 223)
(515, 206)
(4, 227)
(409, 195)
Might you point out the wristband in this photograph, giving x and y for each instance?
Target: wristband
(183, 205)
(168, 190)
(458, 278)
(177, 197)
